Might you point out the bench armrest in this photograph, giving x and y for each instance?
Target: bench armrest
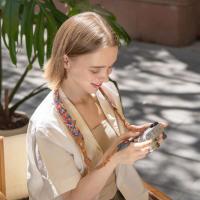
(156, 194)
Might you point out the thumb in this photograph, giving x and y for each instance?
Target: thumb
(129, 134)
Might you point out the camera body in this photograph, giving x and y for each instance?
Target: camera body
(152, 133)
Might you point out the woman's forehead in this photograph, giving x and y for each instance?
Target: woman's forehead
(102, 57)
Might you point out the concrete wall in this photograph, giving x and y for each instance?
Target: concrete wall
(169, 22)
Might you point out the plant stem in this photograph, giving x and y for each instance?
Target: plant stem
(1, 72)
(0, 65)
(20, 81)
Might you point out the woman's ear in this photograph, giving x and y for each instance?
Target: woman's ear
(66, 62)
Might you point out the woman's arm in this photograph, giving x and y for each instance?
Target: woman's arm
(91, 185)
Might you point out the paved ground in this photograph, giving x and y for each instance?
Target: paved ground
(156, 83)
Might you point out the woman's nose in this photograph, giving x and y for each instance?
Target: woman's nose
(104, 76)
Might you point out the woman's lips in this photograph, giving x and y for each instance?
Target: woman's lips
(96, 85)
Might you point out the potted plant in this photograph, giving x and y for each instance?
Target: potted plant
(26, 21)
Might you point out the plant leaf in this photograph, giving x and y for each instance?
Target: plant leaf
(12, 51)
(11, 25)
(2, 4)
(58, 15)
(27, 26)
(51, 22)
(51, 26)
(39, 37)
(4, 37)
(102, 11)
(50, 37)
(119, 30)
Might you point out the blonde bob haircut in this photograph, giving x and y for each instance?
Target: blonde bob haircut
(80, 34)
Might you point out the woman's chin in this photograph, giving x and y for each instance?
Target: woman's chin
(94, 88)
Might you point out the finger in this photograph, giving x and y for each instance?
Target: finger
(146, 149)
(128, 135)
(142, 144)
(140, 128)
(160, 140)
(138, 133)
(163, 124)
(133, 128)
(141, 156)
(160, 136)
(146, 125)
(140, 153)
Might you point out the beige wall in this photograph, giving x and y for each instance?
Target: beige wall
(166, 22)
(169, 22)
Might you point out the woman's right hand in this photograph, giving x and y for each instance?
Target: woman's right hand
(135, 151)
(130, 154)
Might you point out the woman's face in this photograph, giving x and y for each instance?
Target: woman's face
(89, 71)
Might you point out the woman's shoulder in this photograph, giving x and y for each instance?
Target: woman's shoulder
(45, 114)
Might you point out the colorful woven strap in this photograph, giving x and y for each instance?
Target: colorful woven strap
(73, 129)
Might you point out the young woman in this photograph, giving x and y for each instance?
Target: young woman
(73, 134)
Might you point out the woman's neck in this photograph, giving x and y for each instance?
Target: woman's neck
(74, 93)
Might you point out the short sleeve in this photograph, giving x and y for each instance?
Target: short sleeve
(59, 165)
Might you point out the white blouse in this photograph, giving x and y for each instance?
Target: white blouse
(55, 162)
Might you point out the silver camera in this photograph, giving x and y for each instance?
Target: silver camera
(152, 133)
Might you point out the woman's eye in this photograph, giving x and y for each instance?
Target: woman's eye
(94, 71)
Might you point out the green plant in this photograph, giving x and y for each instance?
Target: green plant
(35, 22)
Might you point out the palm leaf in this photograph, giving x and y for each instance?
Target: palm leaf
(50, 36)
(102, 11)
(58, 15)
(27, 26)
(119, 30)
(51, 22)
(51, 26)
(10, 25)
(39, 38)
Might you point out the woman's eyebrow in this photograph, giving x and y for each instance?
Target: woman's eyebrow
(100, 66)
(97, 67)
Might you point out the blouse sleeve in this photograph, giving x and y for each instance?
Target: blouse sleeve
(60, 167)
